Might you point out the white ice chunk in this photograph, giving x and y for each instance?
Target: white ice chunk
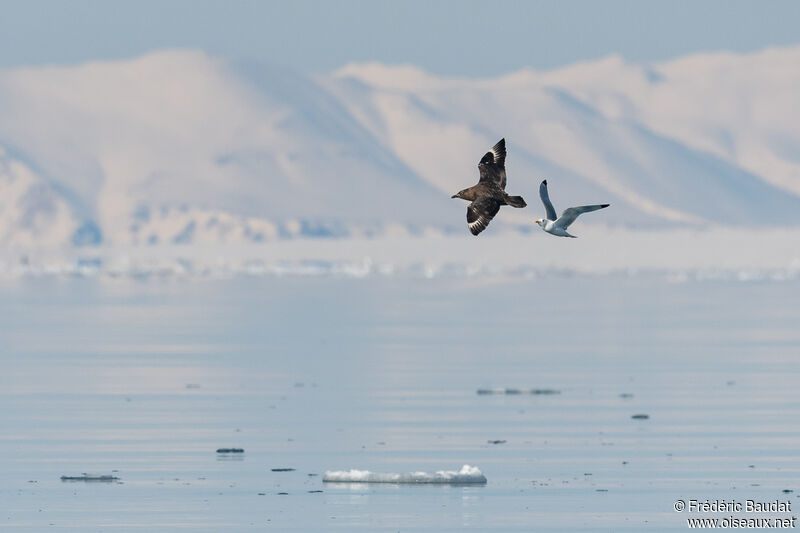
(466, 476)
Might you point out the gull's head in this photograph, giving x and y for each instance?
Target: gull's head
(459, 194)
(540, 222)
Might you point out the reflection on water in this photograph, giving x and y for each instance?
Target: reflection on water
(228, 457)
(149, 380)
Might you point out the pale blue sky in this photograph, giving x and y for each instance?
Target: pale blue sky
(466, 38)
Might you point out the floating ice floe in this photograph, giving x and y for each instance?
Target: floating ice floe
(518, 391)
(468, 475)
(415, 257)
(90, 477)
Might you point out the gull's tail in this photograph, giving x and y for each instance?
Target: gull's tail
(515, 201)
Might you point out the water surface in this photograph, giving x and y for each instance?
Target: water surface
(145, 380)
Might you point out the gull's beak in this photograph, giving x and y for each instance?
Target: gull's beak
(454, 196)
(539, 221)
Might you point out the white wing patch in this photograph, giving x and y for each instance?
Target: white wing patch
(477, 224)
(495, 154)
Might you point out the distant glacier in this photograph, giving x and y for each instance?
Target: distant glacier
(179, 148)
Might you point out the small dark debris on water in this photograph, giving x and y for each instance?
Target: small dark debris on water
(518, 391)
(192, 385)
(230, 450)
(626, 395)
(90, 477)
(283, 494)
(788, 491)
(312, 475)
(640, 417)
(262, 493)
(496, 441)
(314, 491)
(601, 490)
(283, 469)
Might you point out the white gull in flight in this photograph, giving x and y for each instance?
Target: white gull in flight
(558, 225)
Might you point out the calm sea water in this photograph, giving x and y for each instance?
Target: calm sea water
(145, 380)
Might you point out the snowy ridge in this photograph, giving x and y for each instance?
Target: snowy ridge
(182, 148)
(636, 136)
(467, 475)
(151, 150)
(179, 147)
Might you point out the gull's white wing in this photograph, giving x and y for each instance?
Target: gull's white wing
(550, 211)
(571, 213)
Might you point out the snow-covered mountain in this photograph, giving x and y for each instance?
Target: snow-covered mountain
(695, 140)
(182, 147)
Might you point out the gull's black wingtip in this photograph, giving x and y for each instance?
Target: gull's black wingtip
(605, 205)
(544, 182)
